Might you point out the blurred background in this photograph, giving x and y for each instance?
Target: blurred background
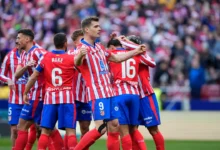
(183, 36)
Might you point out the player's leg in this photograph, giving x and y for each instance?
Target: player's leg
(150, 112)
(14, 111)
(32, 135)
(48, 121)
(101, 111)
(67, 121)
(129, 109)
(113, 124)
(137, 139)
(25, 121)
(84, 116)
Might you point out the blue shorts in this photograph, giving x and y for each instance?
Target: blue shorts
(65, 114)
(32, 111)
(83, 111)
(105, 109)
(14, 111)
(149, 111)
(128, 108)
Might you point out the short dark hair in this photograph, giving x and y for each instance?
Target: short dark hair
(88, 21)
(114, 42)
(135, 39)
(27, 32)
(59, 40)
(76, 34)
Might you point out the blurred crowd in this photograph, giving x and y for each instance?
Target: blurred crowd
(183, 35)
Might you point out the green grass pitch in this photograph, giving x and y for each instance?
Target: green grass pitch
(170, 145)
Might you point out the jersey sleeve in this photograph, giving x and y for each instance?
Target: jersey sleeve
(41, 64)
(4, 70)
(107, 54)
(147, 60)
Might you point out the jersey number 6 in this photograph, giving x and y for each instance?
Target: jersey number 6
(56, 79)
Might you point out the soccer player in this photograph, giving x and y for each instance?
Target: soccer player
(15, 102)
(31, 112)
(83, 109)
(149, 109)
(92, 63)
(125, 83)
(56, 68)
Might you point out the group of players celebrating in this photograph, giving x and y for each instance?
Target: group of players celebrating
(112, 85)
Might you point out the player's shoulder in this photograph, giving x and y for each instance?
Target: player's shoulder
(71, 52)
(100, 45)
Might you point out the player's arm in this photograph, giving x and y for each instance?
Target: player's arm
(122, 57)
(4, 72)
(78, 59)
(20, 70)
(29, 85)
(147, 60)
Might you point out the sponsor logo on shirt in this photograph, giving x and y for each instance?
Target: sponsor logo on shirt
(103, 68)
(58, 89)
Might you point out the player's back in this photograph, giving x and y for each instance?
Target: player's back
(125, 74)
(58, 70)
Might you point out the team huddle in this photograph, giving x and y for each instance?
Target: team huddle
(110, 85)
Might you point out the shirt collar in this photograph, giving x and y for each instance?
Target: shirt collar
(32, 48)
(86, 43)
(17, 54)
(58, 51)
(120, 48)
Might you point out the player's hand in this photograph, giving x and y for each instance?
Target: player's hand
(113, 35)
(25, 99)
(31, 63)
(122, 38)
(83, 51)
(141, 49)
(11, 84)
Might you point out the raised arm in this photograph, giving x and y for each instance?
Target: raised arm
(122, 57)
(147, 60)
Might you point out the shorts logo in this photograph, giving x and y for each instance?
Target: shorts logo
(25, 110)
(102, 113)
(148, 118)
(148, 122)
(83, 112)
(116, 108)
(86, 112)
(9, 118)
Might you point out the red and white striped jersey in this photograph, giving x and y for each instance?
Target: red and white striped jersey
(95, 71)
(8, 69)
(125, 74)
(145, 87)
(79, 86)
(57, 69)
(37, 92)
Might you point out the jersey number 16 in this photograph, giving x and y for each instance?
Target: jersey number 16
(128, 68)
